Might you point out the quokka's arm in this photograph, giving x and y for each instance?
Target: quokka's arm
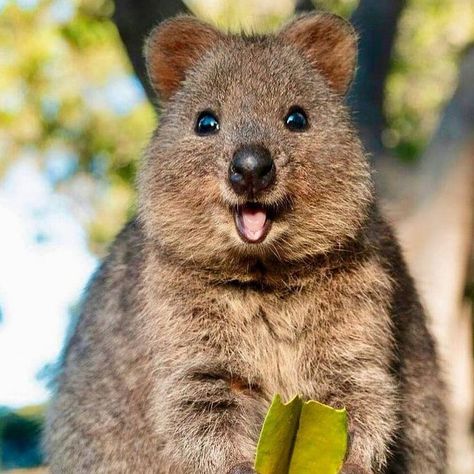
(209, 421)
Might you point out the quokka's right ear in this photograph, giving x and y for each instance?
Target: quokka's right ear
(174, 47)
(329, 43)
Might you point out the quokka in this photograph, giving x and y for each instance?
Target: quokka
(258, 263)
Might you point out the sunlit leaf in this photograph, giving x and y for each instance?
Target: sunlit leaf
(302, 437)
(278, 436)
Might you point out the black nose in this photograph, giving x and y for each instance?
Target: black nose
(252, 170)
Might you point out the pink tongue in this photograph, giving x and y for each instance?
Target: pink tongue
(253, 222)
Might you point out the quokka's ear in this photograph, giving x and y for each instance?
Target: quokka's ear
(329, 43)
(173, 47)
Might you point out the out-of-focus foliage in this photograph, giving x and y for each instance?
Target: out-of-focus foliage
(68, 96)
(340, 7)
(431, 37)
(262, 15)
(246, 15)
(20, 432)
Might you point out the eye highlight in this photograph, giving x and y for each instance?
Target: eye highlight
(296, 120)
(207, 123)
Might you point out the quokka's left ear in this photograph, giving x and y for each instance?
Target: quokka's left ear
(329, 43)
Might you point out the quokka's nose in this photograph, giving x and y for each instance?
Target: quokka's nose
(251, 170)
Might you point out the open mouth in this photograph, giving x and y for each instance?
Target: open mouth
(253, 222)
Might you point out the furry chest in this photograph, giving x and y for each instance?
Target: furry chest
(271, 343)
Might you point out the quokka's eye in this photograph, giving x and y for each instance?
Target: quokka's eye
(296, 120)
(207, 123)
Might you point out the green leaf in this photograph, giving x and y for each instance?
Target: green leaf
(321, 440)
(298, 438)
(278, 436)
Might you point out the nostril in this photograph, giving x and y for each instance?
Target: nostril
(252, 169)
(236, 177)
(267, 168)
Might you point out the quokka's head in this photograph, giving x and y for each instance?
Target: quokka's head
(254, 156)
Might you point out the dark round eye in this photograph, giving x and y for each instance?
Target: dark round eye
(296, 120)
(207, 123)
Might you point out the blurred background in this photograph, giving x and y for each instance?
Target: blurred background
(76, 111)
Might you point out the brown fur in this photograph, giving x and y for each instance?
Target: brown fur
(187, 332)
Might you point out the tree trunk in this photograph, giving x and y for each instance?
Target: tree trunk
(376, 21)
(302, 6)
(134, 20)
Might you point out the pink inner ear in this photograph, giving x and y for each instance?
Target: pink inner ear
(329, 43)
(173, 48)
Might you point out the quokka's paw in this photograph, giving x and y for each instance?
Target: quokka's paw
(244, 468)
(353, 469)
